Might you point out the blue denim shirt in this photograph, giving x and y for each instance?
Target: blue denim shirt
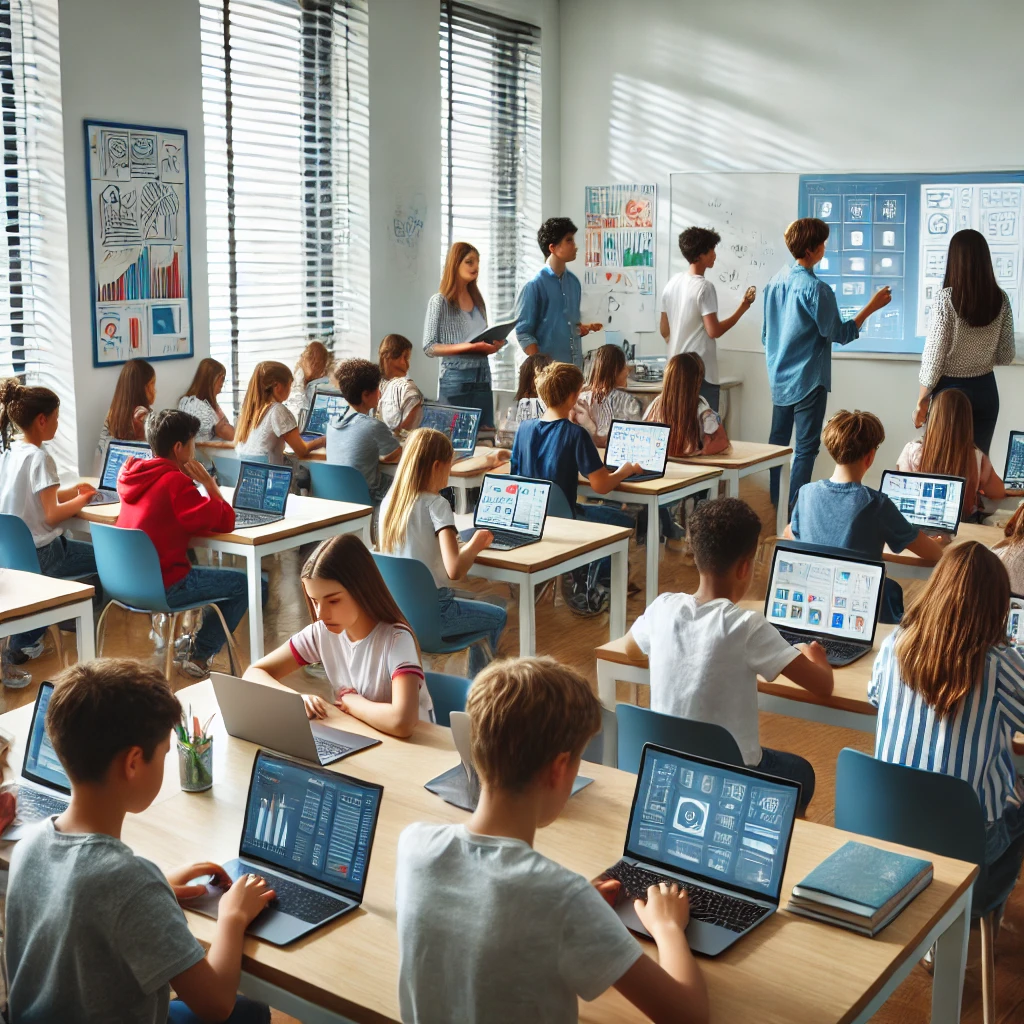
(548, 315)
(801, 324)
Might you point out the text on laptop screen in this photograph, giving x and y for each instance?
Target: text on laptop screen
(710, 822)
(508, 504)
(317, 824)
(824, 594)
(1015, 622)
(262, 488)
(117, 456)
(643, 443)
(459, 424)
(930, 503)
(1013, 477)
(41, 760)
(320, 412)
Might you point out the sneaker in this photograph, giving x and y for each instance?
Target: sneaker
(14, 678)
(197, 668)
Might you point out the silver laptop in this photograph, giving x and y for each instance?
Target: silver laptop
(272, 717)
(461, 424)
(643, 443)
(326, 403)
(1013, 472)
(719, 831)
(261, 494)
(513, 508)
(118, 453)
(930, 502)
(309, 832)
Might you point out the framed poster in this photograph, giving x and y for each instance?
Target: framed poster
(140, 269)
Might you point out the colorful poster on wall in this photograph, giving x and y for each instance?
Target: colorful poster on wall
(619, 247)
(139, 257)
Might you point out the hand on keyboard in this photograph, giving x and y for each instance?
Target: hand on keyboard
(245, 899)
(815, 653)
(666, 906)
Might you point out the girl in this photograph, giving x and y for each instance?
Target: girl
(527, 404)
(696, 428)
(604, 399)
(401, 403)
(201, 401)
(1011, 550)
(133, 400)
(265, 424)
(950, 695)
(312, 368)
(417, 522)
(361, 639)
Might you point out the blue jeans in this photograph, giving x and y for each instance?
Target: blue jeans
(601, 570)
(789, 766)
(470, 388)
(245, 1012)
(807, 416)
(205, 584)
(463, 617)
(1004, 854)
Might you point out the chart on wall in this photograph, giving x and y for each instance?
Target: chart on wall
(619, 264)
(138, 194)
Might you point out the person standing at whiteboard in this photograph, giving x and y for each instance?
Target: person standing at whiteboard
(689, 308)
(801, 324)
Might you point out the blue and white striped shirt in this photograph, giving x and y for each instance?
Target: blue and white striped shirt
(974, 743)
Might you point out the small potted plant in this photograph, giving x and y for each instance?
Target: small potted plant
(195, 754)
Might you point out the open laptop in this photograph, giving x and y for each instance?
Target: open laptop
(118, 453)
(720, 831)
(272, 717)
(461, 424)
(513, 508)
(643, 443)
(326, 403)
(825, 594)
(1015, 621)
(309, 832)
(932, 503)
(1013, 473)
(44, 787)
(261, 494)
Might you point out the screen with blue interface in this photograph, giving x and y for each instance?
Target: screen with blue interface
(459, 424)
(1013, 476)
(708, 821)
(932, 503)
(1015, 622)
(117, 455)
(325, 405)
(316, 823)
(41, 761)
(643, 443)
(263, 488)
(510, 504)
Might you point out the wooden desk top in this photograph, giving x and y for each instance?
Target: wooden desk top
(676, 473)
(987, 535)
(25, 593)
(740, 455)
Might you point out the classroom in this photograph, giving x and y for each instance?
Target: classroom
(488, 537)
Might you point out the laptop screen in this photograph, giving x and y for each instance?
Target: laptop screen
(643, 443)
(1013, 474)
(458, 423)
(730, 826)
(325, 405)
(316, 823)
(512, 503)
(41, 761)
(1015, 621)
(263, 488)
(118, 453)
(929, 502)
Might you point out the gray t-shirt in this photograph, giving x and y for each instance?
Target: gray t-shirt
(94, 933)
(355, 439)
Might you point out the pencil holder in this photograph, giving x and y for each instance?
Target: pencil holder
(195, 766)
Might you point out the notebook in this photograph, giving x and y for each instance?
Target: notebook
(931, 502)
(325, 404)
(460, 424)
(1013, 472)
(118, 453)
(643, 443)
(513, 508)
(261, 494)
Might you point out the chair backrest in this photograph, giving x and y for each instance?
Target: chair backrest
(17, 548)
(637, 726)
(448, 694)
(558, 504)
(229, 466)
(338, 483)
(415, 593)
(129, 568)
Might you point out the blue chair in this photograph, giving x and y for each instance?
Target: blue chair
(637, 726)
(338, 483)
(142, 589)
(558, 504)
(229, 466)
(448, 694)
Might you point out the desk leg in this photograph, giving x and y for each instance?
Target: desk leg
(528, 617)
(731, 479)
(782, 515)
(617, 609)
(252, 572)
(86, 635)
(950, 964)
(606, 683)
(461, 505)
(366, 533)
(653, 547)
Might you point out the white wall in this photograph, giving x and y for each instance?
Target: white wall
(797, 85)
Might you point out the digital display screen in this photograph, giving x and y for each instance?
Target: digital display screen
(325, 405)
(459, 424)
(510, 504)
(41, 761)
(931, 503)
(1013, 477)
(643, 443)
(117, 455)
(1015, 621)
(263, 488)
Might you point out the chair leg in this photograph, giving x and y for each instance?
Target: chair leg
(58, 642)
(988, 969)
(233, 659)
(101, 634)
(172, 630)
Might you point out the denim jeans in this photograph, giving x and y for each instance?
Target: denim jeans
(792, 767)
(470, 388)
(202, 584)
(245, 1012)
(601, 570)
(807, 416)
(711, 393)
(1004, 854)
(461, 616)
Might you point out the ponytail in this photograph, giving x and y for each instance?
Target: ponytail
(20, 405)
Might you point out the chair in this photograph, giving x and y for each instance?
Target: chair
(558, 504)
(637, 726)
(448, 694)
(142, 589)
(338, 483)
(229, 466)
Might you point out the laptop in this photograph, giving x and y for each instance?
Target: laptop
(326, 403)
(1015, 621)
(513, 508)
(825, 594)
(44, 787)
(118, 453)
(459, 423)
(643, 443)
(932, 503)
(720, 831)
(309, 832)
(272, 717)
(261, 494)
(1013, 473)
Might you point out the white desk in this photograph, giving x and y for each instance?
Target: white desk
(29, 600)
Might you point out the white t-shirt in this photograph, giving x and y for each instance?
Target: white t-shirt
(705, 660)
(686, 299)
(490, 930)
(267, 437)
(25, 470)
(209, 416)
(430, 514)
(366, 665)
(398, 397)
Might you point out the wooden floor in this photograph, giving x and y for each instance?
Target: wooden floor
(572, 640)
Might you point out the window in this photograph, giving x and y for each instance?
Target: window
(286, 117)
(35, 319)
(490, 154)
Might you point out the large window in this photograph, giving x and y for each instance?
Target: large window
(287, 194)
(490, 153)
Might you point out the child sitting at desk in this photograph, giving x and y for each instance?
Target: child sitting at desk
(605, 399)
(131, 403)
(265, 424)
(93, 930)
(696, 427)
(401, 402)
(526, 405)
(706, 652)
(313, 368)
(491, 930)
(1011, 550)
(201, 401)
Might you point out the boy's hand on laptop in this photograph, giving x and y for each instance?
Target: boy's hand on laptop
(316, 707)
(814, 652)
(87, 490)
(245, 899)
(180, 878)
(667, 906)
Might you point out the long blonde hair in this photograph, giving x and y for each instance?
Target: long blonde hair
(948, 446)
(259, 396)
(424, 449)
(449, 286)
(678, 403)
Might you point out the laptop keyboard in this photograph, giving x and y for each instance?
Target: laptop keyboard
(706, 905)
(504, 541)
(328, 748)
(837, 649)
(34, 804)
(637, 477)
(243, 518)
(297, 901)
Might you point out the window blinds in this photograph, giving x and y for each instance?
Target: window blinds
(286, 115)
(491, 154)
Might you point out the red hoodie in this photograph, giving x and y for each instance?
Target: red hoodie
(159, 499)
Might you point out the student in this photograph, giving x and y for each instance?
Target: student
(706, 652)
(313, 367)
(526, 405)
(265, 424)
(201, 401)
(604, 398)
(842, 512)
(548, 307)
(361, 639)
(401, 402)
(133, 399)
(689, 308)
(1011, 550)
(950, 696)
(491, 930)
(696, 427)
(417, 522)
(159, 496)
(91, 928)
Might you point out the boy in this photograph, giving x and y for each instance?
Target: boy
(689, 308)
(159, 496)
(548, 308)
(491, 930)
(355, 437)
(842, 513)
(94, 932)
(706, 652)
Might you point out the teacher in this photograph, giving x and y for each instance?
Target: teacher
(971, 331)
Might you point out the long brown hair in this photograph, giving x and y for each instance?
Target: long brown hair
(941, 655)
(315, 361)
(608, 362)
(449, 286)
(22, 404)
(532, 365)
(678, 402)
(424, 448)
(129, 393)
(976, 295)
(259, 396)
(203, 385)
(1014, 529)
(948, 446)
(394, 346)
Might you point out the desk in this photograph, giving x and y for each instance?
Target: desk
(906, 565)
(29, 600)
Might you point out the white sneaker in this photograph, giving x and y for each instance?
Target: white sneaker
(35, 650)
(197, 668)
(14, 678)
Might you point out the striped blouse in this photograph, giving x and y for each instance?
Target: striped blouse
(974, 744)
